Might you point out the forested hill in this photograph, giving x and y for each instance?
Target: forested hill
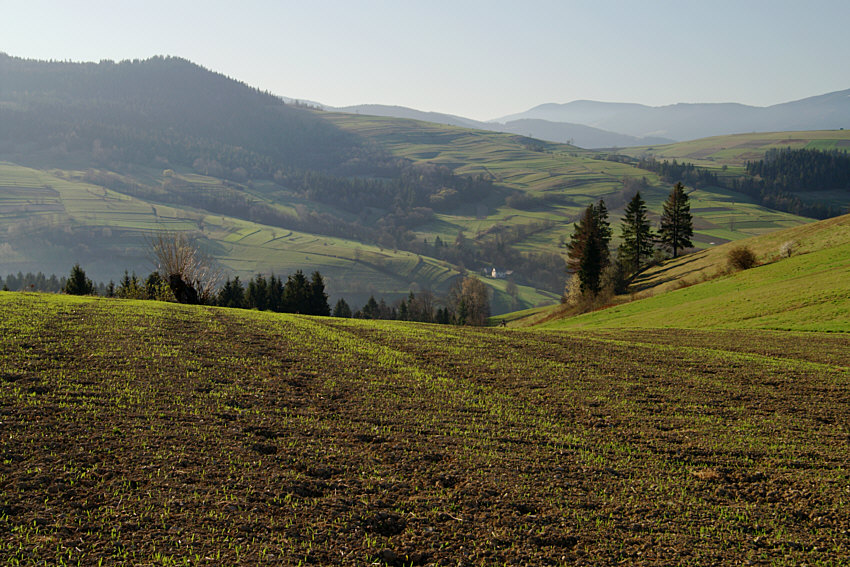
(96, 156)
(159, 111)
(802, 170)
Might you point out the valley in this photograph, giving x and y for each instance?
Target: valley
(699, 417)
(381, 206)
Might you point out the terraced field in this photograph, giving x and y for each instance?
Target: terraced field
(55, 218)
(572, 175)
(51, 219)
(735, 150)
(150, 433)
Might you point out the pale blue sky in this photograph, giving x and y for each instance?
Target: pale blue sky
(480, 59)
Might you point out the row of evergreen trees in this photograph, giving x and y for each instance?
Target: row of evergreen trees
(296, 295)
(467, 302)
(32, 282)
(589, 256)
(411, 308)
(129, 287)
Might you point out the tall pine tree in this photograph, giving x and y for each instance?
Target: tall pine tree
(636, 233)
(296, 294)
(677, 224)
(588, 247)
(318, 299)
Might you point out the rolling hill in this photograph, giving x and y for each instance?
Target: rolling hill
(98, 156)
(734, 151)
(579, 135)
(562, 179)
(806, 291)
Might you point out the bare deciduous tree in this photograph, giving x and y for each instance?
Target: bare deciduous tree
(469, 300)
(189, 272)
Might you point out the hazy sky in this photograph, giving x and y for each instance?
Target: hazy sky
(480, 59)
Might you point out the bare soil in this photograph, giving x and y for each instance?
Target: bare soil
(151, 434)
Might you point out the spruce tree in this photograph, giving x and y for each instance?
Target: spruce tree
(342, 309)
(604, 228)
(677, 226)
(129, 287)
(371, 310)
(257, 294)
(636, 234)
(232, 294)
(296, 293)
(588, 247)
(318, 299)
(155, 286)
(275, 294)
(78, 283)
(590, 268)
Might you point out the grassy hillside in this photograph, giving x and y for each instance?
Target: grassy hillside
(806, 292)
(97, 155)
(738, 149)
(152, 433)
(52, 220)
(564, 179)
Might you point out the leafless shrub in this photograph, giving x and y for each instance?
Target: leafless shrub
(573, 295)
(741, 258)
(188, 271)
(787, 249)
(578, 301)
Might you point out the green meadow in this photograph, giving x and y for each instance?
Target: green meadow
(807, 291)
(54, 217)
(737, 149)
(570, 177)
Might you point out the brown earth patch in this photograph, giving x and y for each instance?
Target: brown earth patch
(211, 436)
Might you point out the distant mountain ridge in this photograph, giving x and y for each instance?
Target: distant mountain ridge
(164, 109)
(552, 131)
(683, 121)
(594, 124)
(409, 113)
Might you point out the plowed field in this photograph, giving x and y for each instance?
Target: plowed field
(152, 434)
